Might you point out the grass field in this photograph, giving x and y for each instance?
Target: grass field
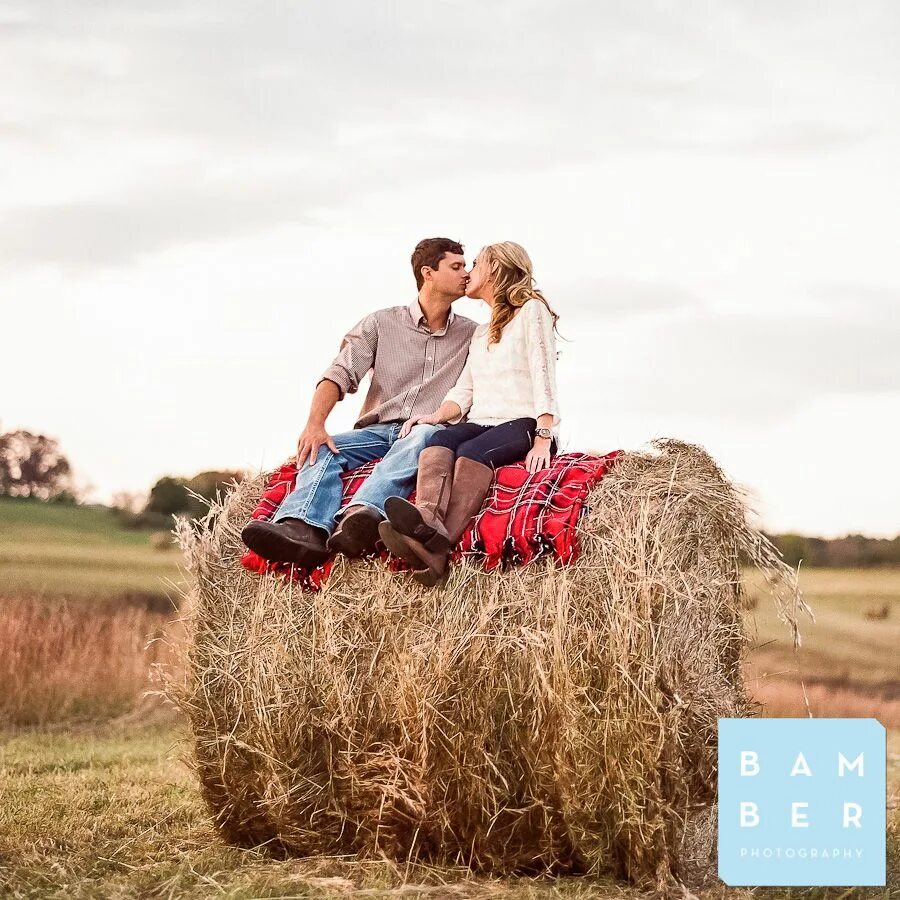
(78, 552)
(849, 663)
(107, 809)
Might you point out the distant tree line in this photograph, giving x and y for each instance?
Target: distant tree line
(851, 552)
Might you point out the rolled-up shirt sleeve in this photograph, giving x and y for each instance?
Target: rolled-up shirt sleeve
(541, 343)
(355, 358)
(461, 393)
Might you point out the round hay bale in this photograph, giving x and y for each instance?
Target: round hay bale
(549, 718)
(162, 540)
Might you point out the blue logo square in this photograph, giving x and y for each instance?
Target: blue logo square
(802, 802)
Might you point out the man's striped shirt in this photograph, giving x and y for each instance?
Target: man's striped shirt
(412, 368)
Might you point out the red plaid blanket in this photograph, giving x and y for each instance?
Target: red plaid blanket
(524, 516)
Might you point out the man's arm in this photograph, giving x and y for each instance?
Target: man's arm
(326, 395)
(354, 359)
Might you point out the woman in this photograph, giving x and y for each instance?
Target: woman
(508, 391)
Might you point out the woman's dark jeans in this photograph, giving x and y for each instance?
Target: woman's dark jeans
(490, 445)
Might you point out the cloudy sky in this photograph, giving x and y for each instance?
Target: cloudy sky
(197, 199)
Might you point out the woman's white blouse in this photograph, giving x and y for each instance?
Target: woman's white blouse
(514, 378)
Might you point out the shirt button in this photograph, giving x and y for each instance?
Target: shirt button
(428, 358)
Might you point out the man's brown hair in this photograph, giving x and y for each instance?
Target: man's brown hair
(429, 253)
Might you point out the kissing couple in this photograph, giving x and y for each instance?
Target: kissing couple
(449, 402)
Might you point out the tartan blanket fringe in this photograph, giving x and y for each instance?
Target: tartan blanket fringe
(525, 516)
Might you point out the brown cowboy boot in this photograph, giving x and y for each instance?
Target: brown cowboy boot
(424, 520)
(471, 483)
(356, 533)
(289, 541)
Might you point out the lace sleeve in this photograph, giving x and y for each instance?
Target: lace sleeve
(461, 393)
(541, 344)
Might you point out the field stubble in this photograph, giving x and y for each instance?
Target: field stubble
(64, 661)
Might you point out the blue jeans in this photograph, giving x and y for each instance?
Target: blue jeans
(316, 498)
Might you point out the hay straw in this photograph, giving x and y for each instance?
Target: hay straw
(557, 719)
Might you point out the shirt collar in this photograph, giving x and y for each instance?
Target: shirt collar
(418, 317)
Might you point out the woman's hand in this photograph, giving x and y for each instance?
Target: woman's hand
(538, 456)
(430, 419)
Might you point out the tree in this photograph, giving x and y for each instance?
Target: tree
(208, 485)
(32, 465)
(170, 495)
(793, 547)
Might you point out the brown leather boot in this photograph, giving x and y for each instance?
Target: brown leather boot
(424, 520)
(474, 480)
(290, 541)
(471, 483)
(356, 533)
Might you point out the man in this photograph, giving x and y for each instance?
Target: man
(415, 354)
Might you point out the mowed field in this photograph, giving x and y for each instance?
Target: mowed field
(95, 800)
(849, 661)
(71, 552)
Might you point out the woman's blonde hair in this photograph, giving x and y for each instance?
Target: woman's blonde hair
(512, 279)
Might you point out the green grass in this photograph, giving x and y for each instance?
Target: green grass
(842, 644)
(33, 521)
(55, 550)
(111, 812)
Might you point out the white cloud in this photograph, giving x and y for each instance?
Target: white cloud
(196, 199)
(763, 367)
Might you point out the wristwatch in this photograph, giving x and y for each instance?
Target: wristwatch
(543, 433)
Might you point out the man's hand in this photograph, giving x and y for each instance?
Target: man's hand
(313, 437)
(538, 456)
(430, 419)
